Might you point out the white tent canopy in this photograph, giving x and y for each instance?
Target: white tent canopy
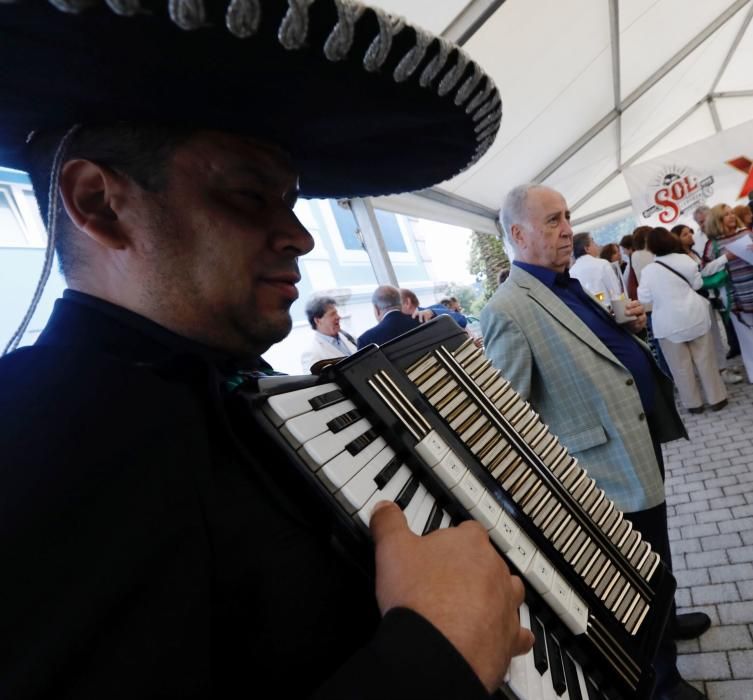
(590, 87)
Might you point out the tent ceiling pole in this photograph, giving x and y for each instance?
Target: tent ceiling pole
(732, 93)
(602, 212)
(470, 19)
(733, 48)
(614, 30)
(714, 114)
(638, 154)
(643, 88)
(456, 202)
(372, 240)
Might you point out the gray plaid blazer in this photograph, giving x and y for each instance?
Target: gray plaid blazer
(581, 390)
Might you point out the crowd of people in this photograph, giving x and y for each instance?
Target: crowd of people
(157, 541)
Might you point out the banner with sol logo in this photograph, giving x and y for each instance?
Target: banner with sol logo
(666, 190)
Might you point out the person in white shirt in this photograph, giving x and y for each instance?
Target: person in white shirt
(700, 215)
(596, 276)
(329, 340)
(681, 321)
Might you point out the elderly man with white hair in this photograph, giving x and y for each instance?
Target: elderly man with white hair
(592, 381)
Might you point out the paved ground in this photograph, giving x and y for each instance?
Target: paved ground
(710, 506)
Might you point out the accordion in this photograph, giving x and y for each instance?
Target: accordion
(427, 422)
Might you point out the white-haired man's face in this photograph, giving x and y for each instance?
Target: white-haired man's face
(546, 237)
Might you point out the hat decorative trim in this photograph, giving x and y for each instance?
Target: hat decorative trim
(243, 17)
(242, 20)
(376, 54)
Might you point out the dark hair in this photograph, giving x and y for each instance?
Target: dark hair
(639, 237)
(677, 229)
(581, 241)
(407, 294)
(316, 307)
(139, 152)
(446, 302)
(608, 251)
(662, 242)
(627, 241)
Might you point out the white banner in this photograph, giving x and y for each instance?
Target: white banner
(666, 190)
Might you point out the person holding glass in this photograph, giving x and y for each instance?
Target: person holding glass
(682, 322)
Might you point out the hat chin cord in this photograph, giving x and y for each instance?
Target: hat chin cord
(49, 255)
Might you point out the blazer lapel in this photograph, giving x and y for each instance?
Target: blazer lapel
(560, 312)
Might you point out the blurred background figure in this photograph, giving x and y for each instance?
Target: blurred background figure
(709, 272)
(699, 216)
(723, 227)
(744, 215)
(722, 223)
(626, 248)
(328, 340)
(391, 321)
(681, 321)
(611, 253)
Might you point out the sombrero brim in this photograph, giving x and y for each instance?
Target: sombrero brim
(364, 103)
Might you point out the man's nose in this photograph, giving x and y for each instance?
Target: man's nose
(294, 236)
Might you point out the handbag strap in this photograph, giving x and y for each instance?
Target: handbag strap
(671, 269)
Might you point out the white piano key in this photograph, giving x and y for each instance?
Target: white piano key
(431, 448)
(418, 522)
(354, 495)
(446, 521)
(389, 493)
(283, 407)
(338, 471)
(411, 510)
(581, 680)
(307, 426)
(533, 677)
(323, 448)
(468, 490)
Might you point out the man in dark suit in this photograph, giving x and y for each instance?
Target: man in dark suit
(392, 322)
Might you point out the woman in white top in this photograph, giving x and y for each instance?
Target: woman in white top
(681, 321)
(687, 240)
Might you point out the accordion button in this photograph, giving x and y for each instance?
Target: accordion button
(541, 573)
(487, 511)
(521, 554)
(505, 532)
(450, 469)
(559, 596)
(468, 491)
(431, 448)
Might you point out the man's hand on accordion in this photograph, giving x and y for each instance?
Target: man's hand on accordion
(456, 580)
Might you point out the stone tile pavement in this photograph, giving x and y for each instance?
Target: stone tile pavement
(710, 507)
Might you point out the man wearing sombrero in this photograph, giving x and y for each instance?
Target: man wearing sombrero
(154, 543)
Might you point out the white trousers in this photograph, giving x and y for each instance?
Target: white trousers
(691, 357)
(745, 336)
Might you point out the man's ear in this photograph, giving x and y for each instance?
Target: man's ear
(91, 194)
(517, 234)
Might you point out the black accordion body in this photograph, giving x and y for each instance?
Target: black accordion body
(427, 422)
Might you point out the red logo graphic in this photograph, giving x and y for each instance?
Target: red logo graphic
(744, 165)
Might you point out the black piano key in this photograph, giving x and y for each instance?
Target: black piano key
(555, 664)
(571, 678)
(362, 441)
(435, 519)
(343, 421)
(539, 645)
(389, 470)
(593, 691)
(407, 493)
(328, 399)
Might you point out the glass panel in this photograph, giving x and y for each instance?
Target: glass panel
(11, 231)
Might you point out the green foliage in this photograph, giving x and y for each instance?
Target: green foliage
(488, 257)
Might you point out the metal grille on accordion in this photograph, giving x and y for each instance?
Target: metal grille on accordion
(427, 422)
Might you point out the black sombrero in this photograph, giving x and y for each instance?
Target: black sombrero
(365, 103)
